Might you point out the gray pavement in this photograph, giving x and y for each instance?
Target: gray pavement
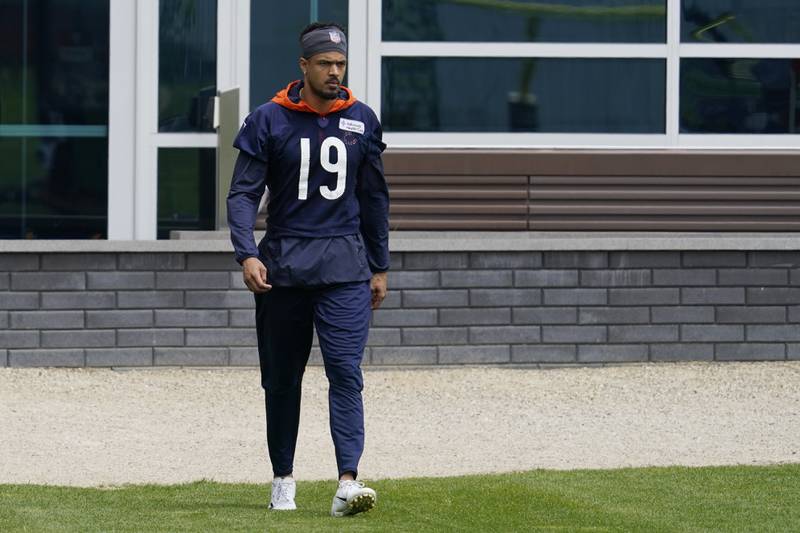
(96, 427)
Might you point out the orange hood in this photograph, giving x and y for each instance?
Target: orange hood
(295, 103)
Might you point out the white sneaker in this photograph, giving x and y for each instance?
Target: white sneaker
(283, 490)
(352, 498)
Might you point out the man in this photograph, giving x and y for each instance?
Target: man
(323, 262)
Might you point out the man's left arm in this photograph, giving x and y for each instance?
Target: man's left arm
(373, 199)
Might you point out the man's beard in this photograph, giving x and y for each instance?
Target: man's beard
(324, 93)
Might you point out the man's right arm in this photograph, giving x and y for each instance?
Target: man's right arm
(247, 188)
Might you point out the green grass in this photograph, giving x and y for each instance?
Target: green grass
(642, 499)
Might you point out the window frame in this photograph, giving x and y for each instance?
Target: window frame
(134, 138)
(672, 52)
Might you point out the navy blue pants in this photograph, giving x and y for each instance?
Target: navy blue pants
(285, 318)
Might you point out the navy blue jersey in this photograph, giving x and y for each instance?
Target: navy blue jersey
(325, 180)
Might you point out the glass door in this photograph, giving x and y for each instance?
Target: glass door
(187, 87)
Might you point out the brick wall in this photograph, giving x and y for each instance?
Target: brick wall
(141, 309)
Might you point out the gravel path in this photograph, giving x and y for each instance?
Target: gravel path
(108, 427)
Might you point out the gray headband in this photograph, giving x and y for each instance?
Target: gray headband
(321, 40)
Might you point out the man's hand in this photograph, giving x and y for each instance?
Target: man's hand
(255, 275)
(378, 287)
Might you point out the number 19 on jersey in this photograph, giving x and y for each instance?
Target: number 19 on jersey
(339, 168)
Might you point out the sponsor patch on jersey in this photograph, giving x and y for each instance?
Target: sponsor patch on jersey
(351, 125)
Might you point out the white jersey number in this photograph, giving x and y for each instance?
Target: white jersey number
(339, 168)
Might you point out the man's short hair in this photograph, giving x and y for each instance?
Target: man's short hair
(317, 25)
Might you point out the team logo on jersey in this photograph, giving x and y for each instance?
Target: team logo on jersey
(335, 37)
(351, 125)
(349, 138)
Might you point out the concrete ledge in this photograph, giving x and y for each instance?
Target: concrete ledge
(91, 246)
(449, 241)
(483, 241)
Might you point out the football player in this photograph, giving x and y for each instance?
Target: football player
(322, 264)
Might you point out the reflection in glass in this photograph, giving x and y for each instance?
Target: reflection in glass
(735, 21)
(523, 94)
(53, 118)
(186, 188)
(274, 41)
(66, 188)
(53, 187)
(602, 21)
(187, 65)
(723, 95)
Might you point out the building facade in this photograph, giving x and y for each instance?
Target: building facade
(107, 110)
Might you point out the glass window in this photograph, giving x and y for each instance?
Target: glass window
(737, 21)
(274, 41)
(54, 118)
(186, 189)
(723, 95)
(187, 65)
(523, 94)
(602, 21)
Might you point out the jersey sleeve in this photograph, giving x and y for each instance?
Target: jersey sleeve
(375, 143)
(373, 199)
(248, 183)
(253, 136)
(247, 188)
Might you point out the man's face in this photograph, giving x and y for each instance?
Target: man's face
(324, 73)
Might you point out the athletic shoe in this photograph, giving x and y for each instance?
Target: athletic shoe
(352, 498)
(283, 490)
